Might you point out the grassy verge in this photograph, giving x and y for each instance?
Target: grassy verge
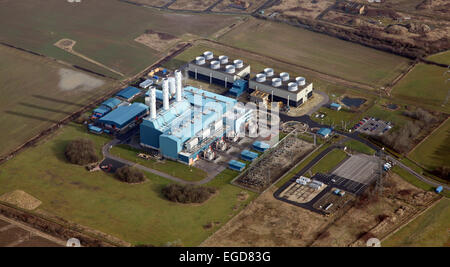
(359, 147)
(329, 162)
(430, 229)
(336, 118)
(173, 168)
(138, 214)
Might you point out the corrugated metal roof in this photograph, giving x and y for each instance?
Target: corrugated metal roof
(123, 114)
(236, 163)
(102, 110)
(128, 92)
(336, 105)
(324, 131)
(112, 103)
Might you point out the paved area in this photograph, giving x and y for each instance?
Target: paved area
(373, 126)
(15, 234)
(359, 168)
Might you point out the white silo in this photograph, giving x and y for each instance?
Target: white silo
(179, 85)
(165, 87)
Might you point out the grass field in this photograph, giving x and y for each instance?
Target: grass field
(435, 150)
(32, 98)
(443, 58)
(135, 213)
(431, 229)
(415, 181)
(359, 147)
(424, 85)
(329, 162)
(336, 118)
(317, 51)
(104, 30)
(170, 167)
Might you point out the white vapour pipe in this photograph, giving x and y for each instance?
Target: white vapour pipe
(165, 87)
(152, 102)
(179, 85)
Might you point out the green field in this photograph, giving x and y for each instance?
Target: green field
(424, 85)
(170, 167)
(104, 30)
(32, 99)
(329, 162)
(135, 213)
(435, 150)
(431, 229)
(317, 51)
(336, 118)
(359, 147)
(443, 58)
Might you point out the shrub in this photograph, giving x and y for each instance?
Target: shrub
(82, 118)
(81, 152)
(187, 193)
(129, 175)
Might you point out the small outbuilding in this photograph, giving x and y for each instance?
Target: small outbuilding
(236, 165)
(335, 106)
(324, 132)
(129, 93)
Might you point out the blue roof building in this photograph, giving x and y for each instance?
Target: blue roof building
(335, 106)
(123, 116)
(112, 103)
(101, 111)
(260, 146)
(236, 165)
(325, 132)
(128, 93)
(248, 155)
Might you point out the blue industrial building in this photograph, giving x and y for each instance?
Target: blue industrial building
(324, 132)
(192, 124)
(335, 106)
(128, 93)
(124, 117)
(260, 146)
(106, 107)
(236, 165)
(248, 155)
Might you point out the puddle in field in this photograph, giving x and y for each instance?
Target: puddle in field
(73, 80)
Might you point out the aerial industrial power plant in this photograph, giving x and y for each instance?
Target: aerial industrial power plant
(224, 128)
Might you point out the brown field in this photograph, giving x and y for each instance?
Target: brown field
(270, 222)
(192, 4)
(157, 41)
(224, 6)
(301, 9)
(155, 3)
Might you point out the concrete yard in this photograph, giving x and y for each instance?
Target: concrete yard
(359, 168)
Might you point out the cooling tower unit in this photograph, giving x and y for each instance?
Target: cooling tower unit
(215, 65)
(300, 81)
(269, 72)
(260, 77)
(208, 55)
(200, 60)
(292, 87)
(230, 69)
(223, 60)
(276, 82)
(284, 76)
(238, 63)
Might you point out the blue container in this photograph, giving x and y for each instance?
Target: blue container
(439, 189)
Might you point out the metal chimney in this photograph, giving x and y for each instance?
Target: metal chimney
(165, 87)
(179, 85)
(172, 86)
(152, 102)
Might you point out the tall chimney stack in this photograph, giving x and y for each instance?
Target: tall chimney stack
(179, 85)
(165, 87)
(152, 102)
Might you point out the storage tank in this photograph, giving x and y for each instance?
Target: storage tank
(223, 60)
(269, 72)
(276, 82)
(200, 60)
(215, 65)
(260, 77)
(284, 76)
(230, 69)
(292, 87)
(300, 81)
(238, 63)
(208, 55)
